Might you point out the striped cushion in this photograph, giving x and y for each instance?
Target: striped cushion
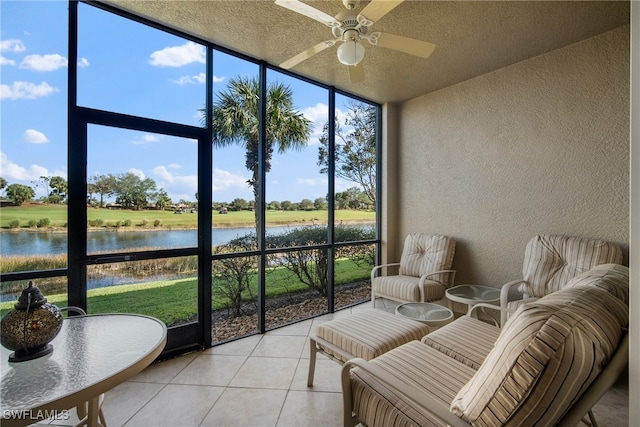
(370, 333)
(548, 353)
(613, 278)
(438, 375)
(551, 261)
(514, 305)
(467, 340)
(424, 253)
(407, 288)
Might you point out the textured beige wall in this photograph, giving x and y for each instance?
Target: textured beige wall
(634, 240)
(541, 146)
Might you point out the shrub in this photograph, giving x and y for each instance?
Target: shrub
(311, 265)
(14, 223)
(157, 223)
(44, 222)
(32, 223)
(144, 223)
(126, 223)
(99, 222)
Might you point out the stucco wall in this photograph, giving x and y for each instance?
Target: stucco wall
(541, 146)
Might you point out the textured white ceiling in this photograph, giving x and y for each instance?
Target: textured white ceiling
(471, 37)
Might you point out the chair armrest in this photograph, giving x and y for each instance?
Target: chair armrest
(452, 275)
(410, 394)
(484, 305)
(375, 269)
(504, 297)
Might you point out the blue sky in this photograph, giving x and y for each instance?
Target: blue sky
(133, 69)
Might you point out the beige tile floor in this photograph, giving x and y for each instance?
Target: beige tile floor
(258, 381)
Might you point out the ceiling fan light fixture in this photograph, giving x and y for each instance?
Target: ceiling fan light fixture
(350, 52)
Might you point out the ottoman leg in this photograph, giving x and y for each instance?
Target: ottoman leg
(312, 361)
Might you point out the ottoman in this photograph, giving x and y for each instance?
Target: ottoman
(366, 334)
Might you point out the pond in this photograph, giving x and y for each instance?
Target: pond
(48, 243)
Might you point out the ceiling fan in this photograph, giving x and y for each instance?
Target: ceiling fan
(350, 29)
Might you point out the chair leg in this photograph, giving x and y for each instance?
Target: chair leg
(312, 361)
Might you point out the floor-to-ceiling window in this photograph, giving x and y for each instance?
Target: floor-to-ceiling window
(33, 153)
(205, 188)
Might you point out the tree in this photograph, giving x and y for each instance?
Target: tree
(353, 198)
(311, 265)
(320, 203)
(236, 122)
(163, 200)
(239, 204)
(355, 151)
(3, 183)
(43, 180)
(59, 188)
(104, 185)
(275, 205)
(134, 192)
(19, 193)
(232, 276)
(306, 205)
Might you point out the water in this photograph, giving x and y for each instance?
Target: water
(37, 243)
(44, 243)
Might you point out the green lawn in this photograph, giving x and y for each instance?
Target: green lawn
(175, 301)
(57, 216)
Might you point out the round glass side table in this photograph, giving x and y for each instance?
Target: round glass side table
(433, 315)
(473, 294)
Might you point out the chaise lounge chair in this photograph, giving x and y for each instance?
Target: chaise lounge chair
(548, 365)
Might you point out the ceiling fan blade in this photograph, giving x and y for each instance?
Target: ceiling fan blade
(356, 73)
(306, 54)
(405, 44)
(376, 9)
(306, 10)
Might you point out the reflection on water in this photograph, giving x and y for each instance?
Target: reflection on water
(43, 243)
(46, 243)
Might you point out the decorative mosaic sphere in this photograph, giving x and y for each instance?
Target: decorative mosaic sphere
(30, 326)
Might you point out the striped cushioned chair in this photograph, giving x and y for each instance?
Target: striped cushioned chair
(548, 366)
(550, 261)
(423, 271)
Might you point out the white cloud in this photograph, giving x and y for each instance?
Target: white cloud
(224, 180)
(14, 172)
(177, 56)
(171, 178)
(146, 139)
(50, 62)
(26, 90)
(174, 166)
(137, 172)
(312, 181)
(33, 136)
(177, 186)
(318, 115)
(197, 79)
(6, 61)
(343, 185)
(83, 63)
(12, 45)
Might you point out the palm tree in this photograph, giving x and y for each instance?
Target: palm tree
(235, 121)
